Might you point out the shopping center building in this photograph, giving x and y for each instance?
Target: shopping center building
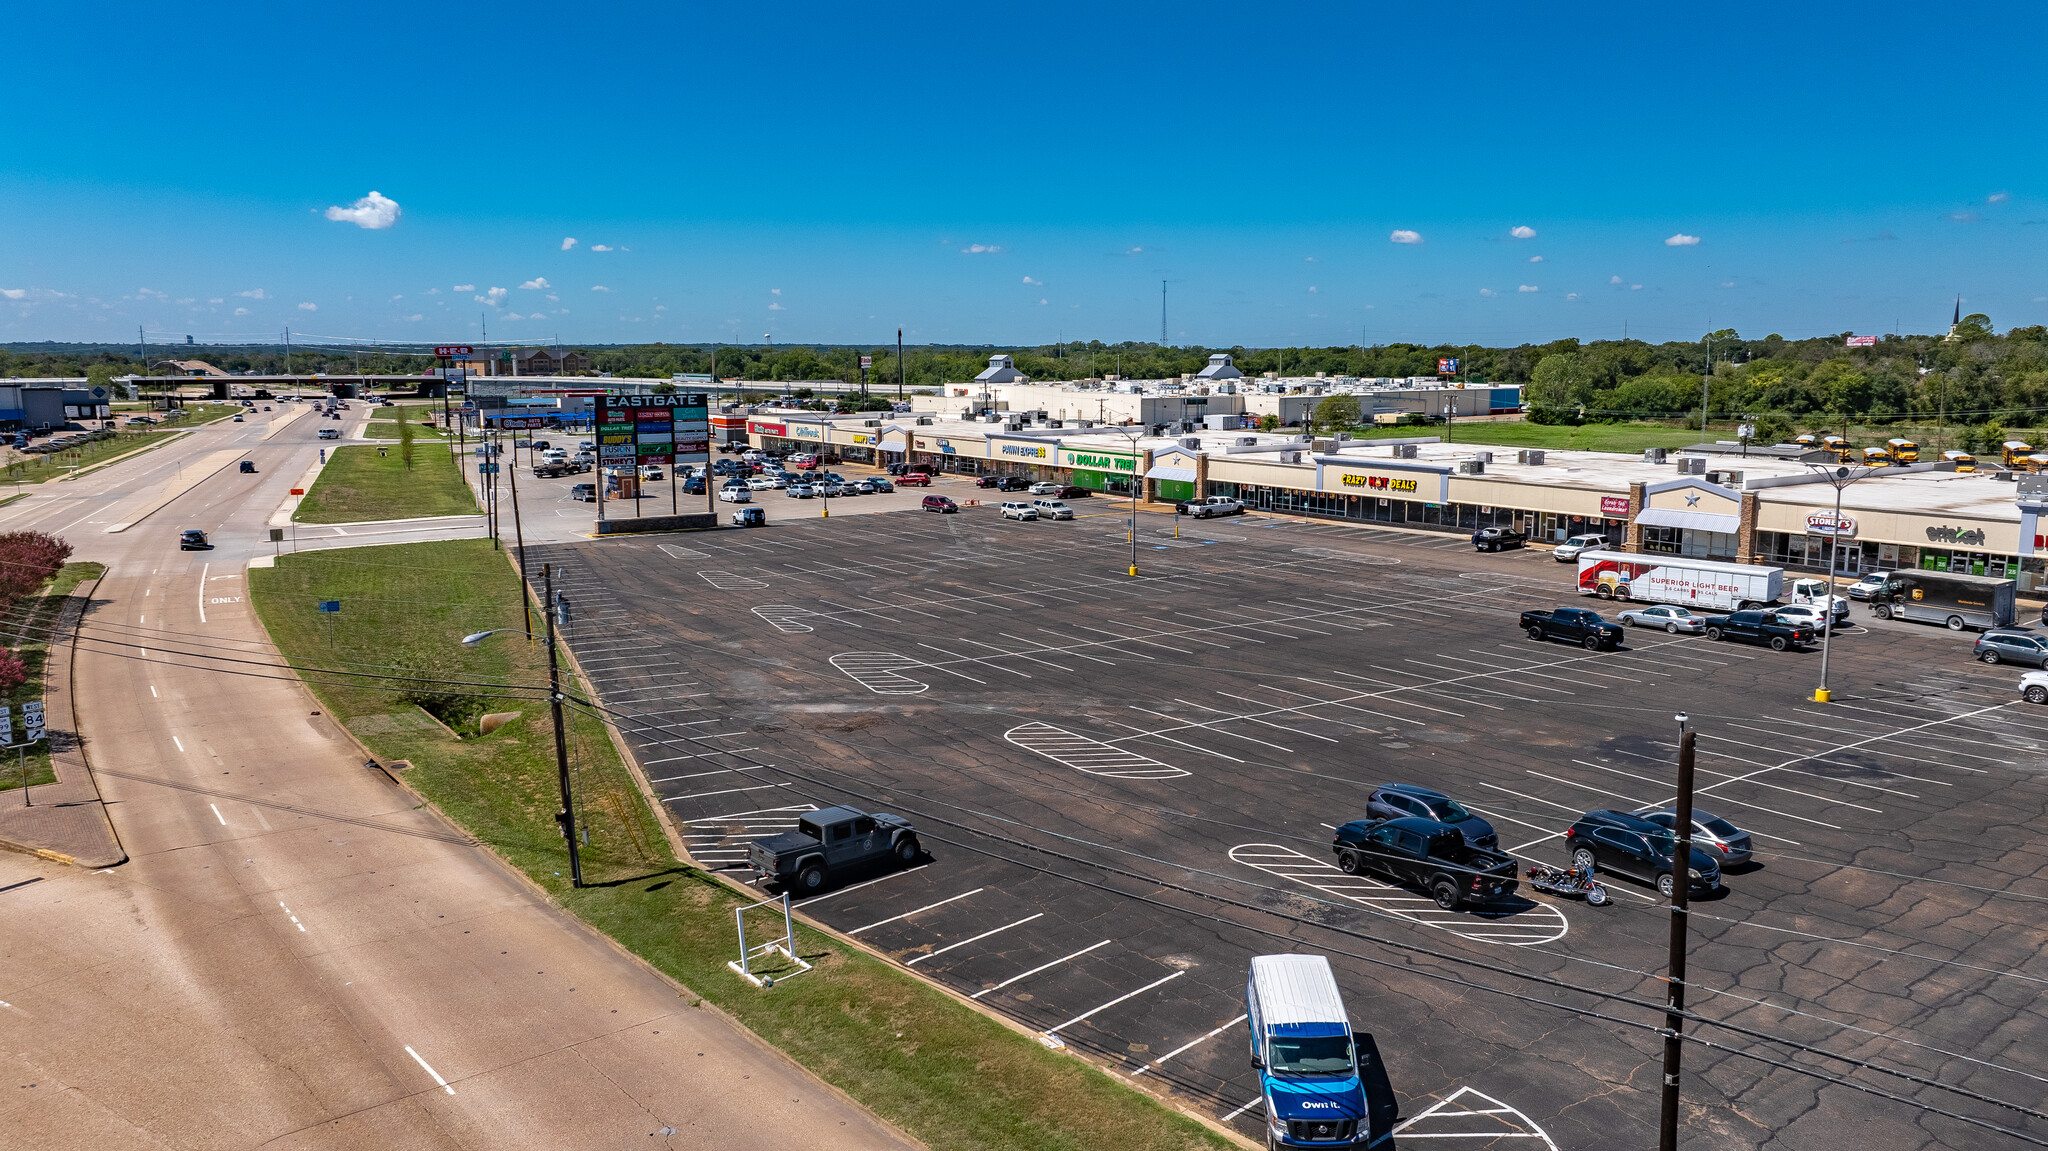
(1770, 506)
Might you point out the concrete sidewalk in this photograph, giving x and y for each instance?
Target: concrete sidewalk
(65, 820)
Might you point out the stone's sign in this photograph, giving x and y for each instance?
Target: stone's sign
(1613, 505)
(1376, 483)
(1969, 537)
(1098, 461)
(1826, 524)
(1032, 451)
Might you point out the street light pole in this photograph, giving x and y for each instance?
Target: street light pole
(1839, 478)
(1681, 889)
(567, 816)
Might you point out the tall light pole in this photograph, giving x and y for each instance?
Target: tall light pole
(1837, 478)
(555, 606)
(1681, 890)
(1137, 487)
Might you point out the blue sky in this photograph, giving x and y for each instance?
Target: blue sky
(1015, 174)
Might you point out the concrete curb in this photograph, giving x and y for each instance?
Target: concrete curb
(71, 826)
(217, 461)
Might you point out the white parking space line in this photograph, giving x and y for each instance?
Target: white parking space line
(436, 1074)
(974, 939)
(217, 815)
(1192, 1043)
(1260, 1102)
(1039, 968)
(1538, 923)
(1753, 783)
(1098, 1009)
(858, 886)
(727, 791)
(918, 911)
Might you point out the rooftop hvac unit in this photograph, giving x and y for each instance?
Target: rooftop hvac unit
(1404, 451)
(1653, 455)
(1698, 465)
(1055, 423)
(924, 421)
(1247, 441)
(1530, 457)
(991, 417)
(1086, 423)
(1191, 443)
(871, 423)
(1483, 457)
(1471, 467)
(1290, 457)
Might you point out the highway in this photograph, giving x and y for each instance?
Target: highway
(297, 955)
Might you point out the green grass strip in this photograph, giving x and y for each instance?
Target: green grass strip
(372, 483)
(32, 618)
(945, 1073)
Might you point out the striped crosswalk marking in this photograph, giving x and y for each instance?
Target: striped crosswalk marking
(1535, 923)
(880, 672)
(1093, 756)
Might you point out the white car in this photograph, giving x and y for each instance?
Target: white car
(736, 495)
(1672, 619)
(1046, 489)
(800, 491)
(1052, 510)
(1014, 510)
(1868, 586)
(1569, 550)
(2034, 686)
(760, 484)
(1800, 613)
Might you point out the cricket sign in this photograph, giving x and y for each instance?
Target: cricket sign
(653, 429)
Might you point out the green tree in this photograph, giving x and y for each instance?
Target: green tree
(1269, 423)
(406, 432)
(1553, 388)
(1771, 428)
(1337, 413)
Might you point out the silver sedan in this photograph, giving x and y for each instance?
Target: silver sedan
(1675, 620)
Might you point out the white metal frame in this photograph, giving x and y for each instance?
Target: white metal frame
(785, 946)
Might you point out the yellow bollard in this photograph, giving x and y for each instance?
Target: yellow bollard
(1134, 569)
(1821, 695)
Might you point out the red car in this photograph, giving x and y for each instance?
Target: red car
(914, 480)
(940, 504)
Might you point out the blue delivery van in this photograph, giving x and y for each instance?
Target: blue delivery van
(1308, 1059)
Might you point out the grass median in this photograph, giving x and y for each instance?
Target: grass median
(943, 1072)
(373, 483)
(388, 430)
(26, 631)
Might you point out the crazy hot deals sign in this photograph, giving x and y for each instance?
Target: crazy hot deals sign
(1428, 486)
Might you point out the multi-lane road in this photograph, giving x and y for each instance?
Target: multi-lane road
(297, 954)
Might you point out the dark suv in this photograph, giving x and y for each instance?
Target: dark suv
(1401, 800)
(2018, 645)
(1630, 845)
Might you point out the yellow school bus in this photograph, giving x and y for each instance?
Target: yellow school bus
(1806, 439)
(1904, 451)
(1963, 461)
(1876, 458)
(2014, 451)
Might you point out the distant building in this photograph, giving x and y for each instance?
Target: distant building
(1221, 367)
(1000, 370)
(185, 368)
(544, 362)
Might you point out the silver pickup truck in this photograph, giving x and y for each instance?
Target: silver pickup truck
(1212, 506)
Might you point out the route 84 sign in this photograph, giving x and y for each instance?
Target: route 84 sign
(32, 721)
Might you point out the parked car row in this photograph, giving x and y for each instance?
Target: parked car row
(1782, 628)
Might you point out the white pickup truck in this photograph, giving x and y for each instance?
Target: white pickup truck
(1212, 506)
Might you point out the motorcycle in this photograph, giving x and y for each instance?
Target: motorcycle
(1568, 881)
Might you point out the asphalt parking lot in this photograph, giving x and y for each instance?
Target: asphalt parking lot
(1126, 788)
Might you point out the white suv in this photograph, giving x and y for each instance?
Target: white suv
(1052, 510)
(1569, 550)
(1013, 510)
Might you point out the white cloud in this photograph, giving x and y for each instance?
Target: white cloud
(465, 287)
(600, 247)
(14, 293)
(433, 291)
(1404, 236)
(1998, 197)
(775, 291)
(1308, 259)
(216, 300)
(554, 299)
(1681, 240)
(373, 211)
(599, 288)
(241, 311)
(1313, 288)
(661, 307)
(415, 318)
(1029, 280)
(568, 242)
(537, 284)
(1522, 232)
(1041, 301)
(1635, 287)
(977, 249)
(1535, 259)
(1571, 295)
(777, 308)
(1486, 292)
(399, 296)
(1134, 251)
(1527, 288)
(1614, 279)
(148, 293)
(307, 307)
(495, 296)
(188, 300)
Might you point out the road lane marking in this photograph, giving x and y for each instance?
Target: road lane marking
(974, 939)
(436, 1074)
(295, 919)
(217, 815)
(1190, 1043)
(152, 692)
(1050, 1031)
(202, 591)
(179, 742)
(908, 914)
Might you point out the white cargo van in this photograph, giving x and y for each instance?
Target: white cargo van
(1302, 1045)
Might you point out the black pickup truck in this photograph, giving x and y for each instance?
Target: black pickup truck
(828, 842)
(1575, 624)
(547, 469)
(1760, 627)
(1494, 539)
(1425, 854)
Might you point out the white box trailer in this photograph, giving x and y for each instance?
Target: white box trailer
(1708, 585)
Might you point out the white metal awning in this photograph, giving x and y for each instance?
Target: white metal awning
(888, 447)
(1695, 521)
(1162, 472)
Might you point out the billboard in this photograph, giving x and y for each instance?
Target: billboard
(1447, 365)
(654, 428)
(1860, 342)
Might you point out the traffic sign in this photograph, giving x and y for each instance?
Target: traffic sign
(32, 721)
(447, 350)
(330, 605)
(867, 361)
(487, 469)
(298, 491)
